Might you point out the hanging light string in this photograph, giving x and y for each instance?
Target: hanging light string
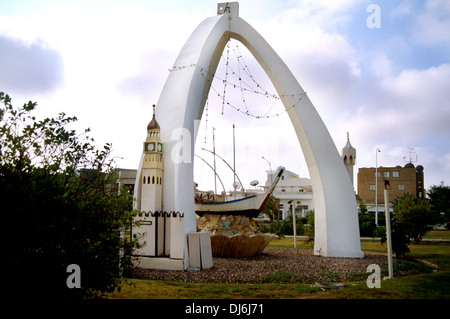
(225, 81)
(206, 122)
(245, 110)
(242, 85)
(241, 64)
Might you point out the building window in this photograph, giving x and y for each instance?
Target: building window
(395, 174)
(386, 174)
(377, 173)
(283, 190)
(401, 187)
(372, 187)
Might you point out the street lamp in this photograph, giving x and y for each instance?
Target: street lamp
(270, 167)
(294, 223)
(376, 186)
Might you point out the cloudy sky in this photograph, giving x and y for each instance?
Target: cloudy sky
(106, 63)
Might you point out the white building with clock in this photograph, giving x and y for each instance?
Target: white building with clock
(151, 173)
(160, 233)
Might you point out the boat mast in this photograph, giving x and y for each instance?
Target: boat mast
(214, 153)
(229, 166)
(215, 173)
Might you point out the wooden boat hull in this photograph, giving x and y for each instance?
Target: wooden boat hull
(239, 246)
(248, 206)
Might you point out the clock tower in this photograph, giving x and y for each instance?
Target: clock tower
(151, 174)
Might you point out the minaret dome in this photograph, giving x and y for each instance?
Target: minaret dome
(153, 125)
(348, 155)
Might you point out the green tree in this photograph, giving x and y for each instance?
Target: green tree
(272, 207)
(400, 238)
(439, 196)
(416, 215)
(58, 210)
(310, 226)
(362, 208)
(367, 226)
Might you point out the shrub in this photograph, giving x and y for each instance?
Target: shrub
(55, 185)
(400, 238)
(415, 215)
(367, 229)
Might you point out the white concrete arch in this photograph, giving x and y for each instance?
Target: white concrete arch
(182, 101)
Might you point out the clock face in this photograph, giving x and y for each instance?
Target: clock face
(159, 147)
(149, 147)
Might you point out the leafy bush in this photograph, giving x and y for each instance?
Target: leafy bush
(367, 226)
(367, 229)
(304, 226)
(415, 215)
(400, 238)
(59, 211)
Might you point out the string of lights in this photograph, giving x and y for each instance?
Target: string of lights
(243, 86)
(206, 121)
(242, 64)
(248, 113)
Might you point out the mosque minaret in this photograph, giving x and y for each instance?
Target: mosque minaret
(348, 155)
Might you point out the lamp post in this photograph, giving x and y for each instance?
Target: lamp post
(270, 168)
(294, 221)
(388, 229)
(376, 186)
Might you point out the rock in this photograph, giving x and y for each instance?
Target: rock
(233, 235)
(227, 225)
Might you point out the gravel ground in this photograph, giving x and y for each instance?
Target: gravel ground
(274, 265)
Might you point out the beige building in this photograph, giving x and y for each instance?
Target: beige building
(402, 180)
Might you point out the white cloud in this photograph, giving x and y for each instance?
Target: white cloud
(433, 24)
(28, 67)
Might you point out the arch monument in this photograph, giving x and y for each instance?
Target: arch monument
(182, 101)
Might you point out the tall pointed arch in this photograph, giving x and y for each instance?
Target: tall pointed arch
(182, 101)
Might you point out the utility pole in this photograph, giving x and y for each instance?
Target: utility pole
(388, 229)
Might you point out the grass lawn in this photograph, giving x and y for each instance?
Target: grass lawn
(438, 234)
(431, 285)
